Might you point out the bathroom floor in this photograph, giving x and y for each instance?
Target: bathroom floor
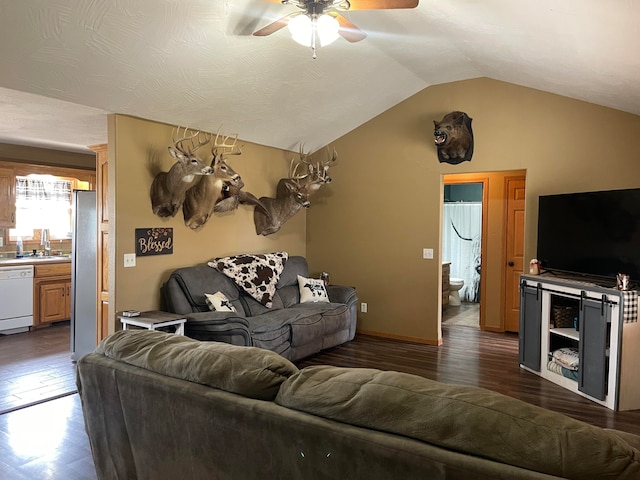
(467, 314)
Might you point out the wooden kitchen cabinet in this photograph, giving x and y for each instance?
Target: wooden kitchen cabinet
(7, 198)
(52, 295)
(446, 272)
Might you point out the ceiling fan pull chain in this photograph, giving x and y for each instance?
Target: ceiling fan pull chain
(313, 38)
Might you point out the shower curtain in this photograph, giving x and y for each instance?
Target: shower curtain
(461, 238)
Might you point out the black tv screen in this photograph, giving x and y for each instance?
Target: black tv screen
(592, 233)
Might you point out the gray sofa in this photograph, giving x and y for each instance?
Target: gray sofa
(161, 406)
(294, 330)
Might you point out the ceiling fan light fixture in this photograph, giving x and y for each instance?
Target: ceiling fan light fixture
(303, 29)
(327, 28)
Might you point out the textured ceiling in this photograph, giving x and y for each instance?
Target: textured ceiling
(67, 63)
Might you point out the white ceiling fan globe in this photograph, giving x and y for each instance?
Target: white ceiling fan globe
(303, 28)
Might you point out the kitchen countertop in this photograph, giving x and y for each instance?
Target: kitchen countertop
(32, 260)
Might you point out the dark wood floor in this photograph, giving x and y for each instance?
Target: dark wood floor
(35, 366)
(48, 440)
(470, 356)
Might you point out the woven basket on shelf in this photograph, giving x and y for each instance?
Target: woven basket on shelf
(563, 316)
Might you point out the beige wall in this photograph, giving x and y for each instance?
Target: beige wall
(133, 144)
(369, 226)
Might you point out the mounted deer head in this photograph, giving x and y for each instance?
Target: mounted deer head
(168, 188)
(232, 196)
(201, 199)
(291, 196)
(318, 172)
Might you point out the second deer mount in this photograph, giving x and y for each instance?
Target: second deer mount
(202, 188)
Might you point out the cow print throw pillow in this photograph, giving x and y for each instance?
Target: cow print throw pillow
(312, 290)
(255, 274)
(219, 302)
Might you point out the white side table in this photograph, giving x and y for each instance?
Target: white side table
(155, 319)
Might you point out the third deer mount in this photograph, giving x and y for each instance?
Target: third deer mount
(292, 193)
(202, 188)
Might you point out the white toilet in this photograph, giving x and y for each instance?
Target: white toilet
(455, 284)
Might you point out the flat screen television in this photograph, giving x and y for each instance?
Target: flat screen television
(592, 234)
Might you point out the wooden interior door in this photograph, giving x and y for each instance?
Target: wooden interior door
(514, 250)
(102, 327)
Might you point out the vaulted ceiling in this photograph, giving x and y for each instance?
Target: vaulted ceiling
(67, 63)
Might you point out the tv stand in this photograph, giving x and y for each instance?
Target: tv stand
(607, 347)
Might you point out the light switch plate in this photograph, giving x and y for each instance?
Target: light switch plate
(427, 253)
(129, 260)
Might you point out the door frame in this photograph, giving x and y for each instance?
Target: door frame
(494, 267)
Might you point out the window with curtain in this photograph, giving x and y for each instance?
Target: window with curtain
(42, 201)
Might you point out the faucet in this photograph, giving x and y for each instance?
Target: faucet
(44, 241)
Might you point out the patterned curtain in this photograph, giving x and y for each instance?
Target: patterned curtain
(43, 202)
(38, 190)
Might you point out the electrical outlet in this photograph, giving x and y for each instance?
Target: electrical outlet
(129, 260)
(1, 241)
(363, 307)
(427, 253)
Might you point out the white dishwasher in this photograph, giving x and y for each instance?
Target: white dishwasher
(16, 299)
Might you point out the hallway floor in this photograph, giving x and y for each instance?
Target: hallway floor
(467, 314)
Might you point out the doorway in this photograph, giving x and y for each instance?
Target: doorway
(501, 245)
(462, 250)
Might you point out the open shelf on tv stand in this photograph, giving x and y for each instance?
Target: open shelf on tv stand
(607, 346)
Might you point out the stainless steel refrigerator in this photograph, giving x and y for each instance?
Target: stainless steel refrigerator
(84, 298)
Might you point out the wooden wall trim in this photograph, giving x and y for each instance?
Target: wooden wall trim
(27, 168)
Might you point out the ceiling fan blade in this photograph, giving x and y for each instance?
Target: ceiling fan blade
(349, 31)
(381, 4)
(275, 26)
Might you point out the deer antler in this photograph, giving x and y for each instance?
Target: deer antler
(232, 148)
(196, 140)
(331, 157)
(293, 172)
(304, 157)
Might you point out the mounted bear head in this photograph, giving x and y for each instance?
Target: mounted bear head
(454, 138)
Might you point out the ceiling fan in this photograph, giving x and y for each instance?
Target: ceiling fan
(323, 19)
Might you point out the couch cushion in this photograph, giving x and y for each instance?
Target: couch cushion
(248, 371)
(275, 319)
(193, 282)
(295, 266)
(466, 419)
(253, 307)
(290, 295)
